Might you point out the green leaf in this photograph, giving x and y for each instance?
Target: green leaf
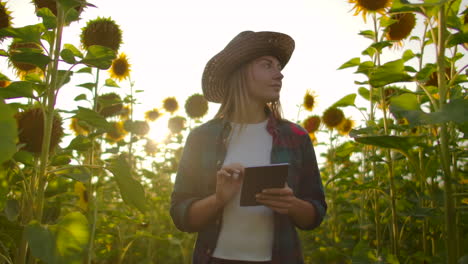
(49, 36)
(351, 63)
(408, 55)
(68, 56)
(131, 190)
(111, 83)
(80, 97)
(345, 149)
(85, 70)
(76, 52)
(38, 59)
(9, 132)
(25, 157)
(80, 143)
(364, 93)
(365, 67)
(71, 238)
(64, 77)
(390, 72)
(458, 38)
(393, 142)
(379, 46)
(90, 86)
(4, 77)
(93, 118)
(99, 56)
(361, 253)
(456, 111)
(370, 34)
(41, 242)
(60, 160)
(77, 173)
(48, 18)
(347, 100)
(31, 33)
(12, 210)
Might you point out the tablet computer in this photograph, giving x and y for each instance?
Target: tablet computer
(259, 178)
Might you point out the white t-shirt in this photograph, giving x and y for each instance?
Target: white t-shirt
(247, 232)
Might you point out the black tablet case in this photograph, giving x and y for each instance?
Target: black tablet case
(259, 178)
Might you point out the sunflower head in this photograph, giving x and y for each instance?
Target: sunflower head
(151, 148)
(109, 104)
(196, 106)
(120, 68)
(79, 127)
(170, 104)
(345, 127)
(152, 115)
(402, 27)
(312, 123)
(176, 124)
(117, 133)
(125, 112)
(23, 68)
(31, 129)
(313, 138)
(139, 128)
(309, 101)
(332, 117)
(82, 193)
(101, 31)
(5, 18)
(370, 6)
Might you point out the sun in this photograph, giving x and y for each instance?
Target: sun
(159, 130)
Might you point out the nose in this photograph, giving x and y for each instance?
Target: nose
(278, 75)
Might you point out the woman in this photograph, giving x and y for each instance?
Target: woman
(248, 130)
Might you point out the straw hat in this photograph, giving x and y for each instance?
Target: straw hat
(245, 47)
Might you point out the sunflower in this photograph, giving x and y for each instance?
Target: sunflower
(5, 18)
(332, 117)
(370, 6)
(312, 123)
(23, 68)
(196, 106)
(82, 193)
(4, 83)
(402, 27)
(101, 31)
(120, 68)
(109, 104)
(170, 104)
(117, 132)
(151, 148)
(31, 129)
(176, 124)
(345, 127)
(313, 138)
(152, 115)
(79, 127)
(51, 5)
(139, 128)
(125, 112)
(309, 100)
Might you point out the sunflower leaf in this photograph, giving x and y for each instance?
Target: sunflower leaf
(48, 18)
(368, 34)
(17, 90)
(111, 83)
(74, 49)
(347, 100)
(93, 118)
(68, 56)
(31, 33)
(99, 56)
(85, 70)
(90, 86)
(351, 63)
(9, 132)
(394, 142)
(38, 59)
(390, 72)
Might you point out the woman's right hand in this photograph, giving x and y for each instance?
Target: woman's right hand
(228, 182)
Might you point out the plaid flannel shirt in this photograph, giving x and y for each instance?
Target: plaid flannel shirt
(203, 156)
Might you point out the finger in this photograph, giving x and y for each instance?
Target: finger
(275, 204)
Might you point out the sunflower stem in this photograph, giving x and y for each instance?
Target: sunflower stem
(450, 223)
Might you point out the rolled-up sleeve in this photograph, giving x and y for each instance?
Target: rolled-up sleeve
(186, 186)
(310, 187)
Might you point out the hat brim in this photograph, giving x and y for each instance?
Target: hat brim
(244, 48)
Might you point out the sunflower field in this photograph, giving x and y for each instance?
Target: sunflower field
(87, 184)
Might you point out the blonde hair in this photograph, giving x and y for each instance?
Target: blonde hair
(233, 106)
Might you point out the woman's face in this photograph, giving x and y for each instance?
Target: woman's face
(264, 79)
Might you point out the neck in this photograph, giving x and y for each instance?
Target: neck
(255, 113)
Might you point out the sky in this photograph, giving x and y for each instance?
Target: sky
(169, 42)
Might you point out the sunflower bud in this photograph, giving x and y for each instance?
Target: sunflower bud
(152, 115)
(402, 27)
(309, 101)
(5, 18)
(176, 124)
(117, 132)
(196, 106)
(312, 124)
(101, 31)
(31, 130)
(345, 127)
(170, 104)
(332, 117)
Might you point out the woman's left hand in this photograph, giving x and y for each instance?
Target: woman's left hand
(280, 200)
